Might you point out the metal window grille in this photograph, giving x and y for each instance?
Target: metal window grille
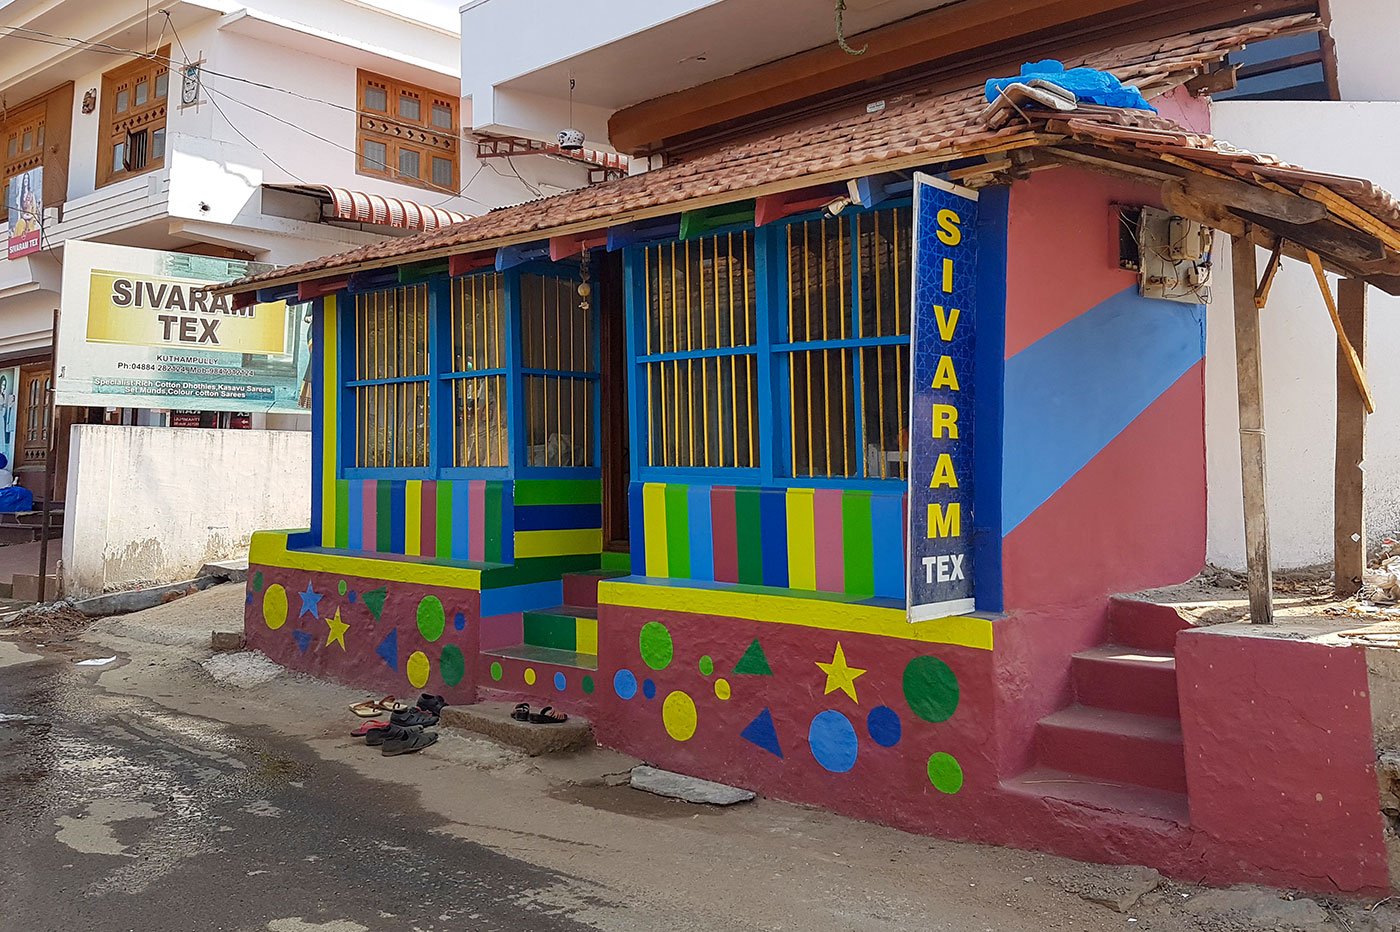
(701, 359)
(560, 373)
(480, 437)
(846, 346)
(390, 384)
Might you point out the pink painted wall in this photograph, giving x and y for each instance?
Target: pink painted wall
(1280, 758)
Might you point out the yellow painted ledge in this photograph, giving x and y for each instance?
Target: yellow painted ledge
(269, 548)
(822, 613)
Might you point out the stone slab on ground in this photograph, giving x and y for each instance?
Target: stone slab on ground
(492, 719)
(689, 789)
(231, 570)
(138, 600)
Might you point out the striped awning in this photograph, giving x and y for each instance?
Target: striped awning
(362, 207)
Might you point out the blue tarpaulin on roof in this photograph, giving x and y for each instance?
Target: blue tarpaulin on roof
(1088, 84)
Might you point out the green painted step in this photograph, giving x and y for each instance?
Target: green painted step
(567, 627)
(548, 655)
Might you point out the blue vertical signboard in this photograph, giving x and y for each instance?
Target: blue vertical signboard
(940, 429)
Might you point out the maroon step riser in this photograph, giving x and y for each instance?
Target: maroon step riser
(581, 590)
(1144, 625)
(1124, 687)
(1126, 759)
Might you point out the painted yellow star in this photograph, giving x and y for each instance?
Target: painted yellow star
(337, 632)
(839, 675)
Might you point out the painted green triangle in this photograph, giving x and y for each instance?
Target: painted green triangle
(374, 601)
(754, 661)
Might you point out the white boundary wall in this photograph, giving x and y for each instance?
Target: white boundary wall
(153, 504)
(1349, 138)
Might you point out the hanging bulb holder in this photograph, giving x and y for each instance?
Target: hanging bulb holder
(571, 139)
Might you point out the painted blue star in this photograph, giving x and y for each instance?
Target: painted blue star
(310, 602)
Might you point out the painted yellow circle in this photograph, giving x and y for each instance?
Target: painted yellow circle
(529, 676)
(418, 669)
(275, 606)
(678, 714)
(722, 689)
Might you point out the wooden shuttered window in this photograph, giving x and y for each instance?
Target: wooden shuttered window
(407, 133)
(134, 106)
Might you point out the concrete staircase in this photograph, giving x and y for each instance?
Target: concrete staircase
(1118, 746)
(19, 527)
(566, 635)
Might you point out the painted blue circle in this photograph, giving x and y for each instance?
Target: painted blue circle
(560, 682)
(649, 689)
(833, 741)
(248, 599)
(459, 621)
(884, 726)
(625, 684)
(352, 595)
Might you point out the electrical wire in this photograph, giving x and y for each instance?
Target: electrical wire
(72, 42)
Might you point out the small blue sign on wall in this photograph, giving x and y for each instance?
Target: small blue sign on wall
(940, 430)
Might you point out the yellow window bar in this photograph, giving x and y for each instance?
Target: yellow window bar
(690, 291)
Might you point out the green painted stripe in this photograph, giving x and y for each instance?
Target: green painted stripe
(678, 530)
(544, 630)
(858, 543)
(749, 523)
(558, 492)
(617, 562)
(383, 520)
(493, 521)
(444, 520)
(342, 514)
(537, 569)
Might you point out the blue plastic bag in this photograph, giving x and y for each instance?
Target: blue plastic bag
(16, 498)
(1088, 84)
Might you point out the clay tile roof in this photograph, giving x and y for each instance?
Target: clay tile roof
(918, 129)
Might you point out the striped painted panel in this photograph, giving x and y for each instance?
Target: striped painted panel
(816, 540)
(452, 520)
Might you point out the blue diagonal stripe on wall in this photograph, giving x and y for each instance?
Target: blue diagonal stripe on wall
(1072, 391)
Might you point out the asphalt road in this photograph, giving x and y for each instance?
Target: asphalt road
(116, 814)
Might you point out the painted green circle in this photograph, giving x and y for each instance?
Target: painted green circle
(931, 689)
(497, 672)
(257, 581)
(432, 620)
(945, 773)
(452, 666)
(342, 587)
(655, 644)
(707, 665)
(588, 685)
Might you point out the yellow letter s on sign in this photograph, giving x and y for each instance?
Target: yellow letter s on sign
(949, 231)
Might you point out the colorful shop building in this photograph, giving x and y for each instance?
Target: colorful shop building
(644, 452)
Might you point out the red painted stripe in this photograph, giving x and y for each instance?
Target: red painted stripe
(726, 533)
(428, 524)
(476, 520)
(1148, 486)
(831, 555)
(369, 540)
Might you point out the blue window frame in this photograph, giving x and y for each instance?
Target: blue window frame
(491, 375)
(558, 375)
(387, 395)
(698, 353)
(805, 383)
(478, 366)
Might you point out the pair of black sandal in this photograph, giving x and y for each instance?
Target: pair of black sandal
(393, 740)
(406, 732)
(545, 716)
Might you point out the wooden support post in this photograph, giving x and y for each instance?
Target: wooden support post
(1250, 376)
(1349, 513)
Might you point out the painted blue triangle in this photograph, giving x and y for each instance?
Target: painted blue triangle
(303, 639)
(389, 649)
(761, 732)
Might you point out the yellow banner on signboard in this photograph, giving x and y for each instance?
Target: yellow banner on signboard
(144, 310)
